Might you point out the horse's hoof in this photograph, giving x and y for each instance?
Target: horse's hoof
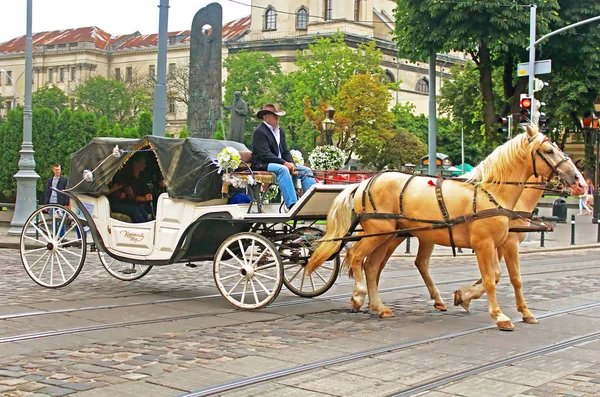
(505, 325)
(530, 320)
(457, 297)
(355, 305)
(466, 306)
(440, 306)
(386, 313)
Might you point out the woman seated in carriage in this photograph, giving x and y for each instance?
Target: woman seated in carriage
(131, 191)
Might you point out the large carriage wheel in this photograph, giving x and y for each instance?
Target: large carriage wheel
(295, 277)
(53, 246)
(123, 270)
(248, 271)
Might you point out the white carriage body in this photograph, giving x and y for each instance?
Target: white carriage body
(157, 240)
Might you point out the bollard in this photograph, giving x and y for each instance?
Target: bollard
(543, 235)
(460, 250)
(408, 245)
(598, 223)
(572, 229)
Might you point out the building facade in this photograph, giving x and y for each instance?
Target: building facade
(66, 58)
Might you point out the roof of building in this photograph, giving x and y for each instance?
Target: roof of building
(105, 41)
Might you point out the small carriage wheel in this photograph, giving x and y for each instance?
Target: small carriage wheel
(123, 270)
(248, 271)
(321, 280)
(53, 246)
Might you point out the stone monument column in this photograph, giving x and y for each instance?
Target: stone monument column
(204, 107)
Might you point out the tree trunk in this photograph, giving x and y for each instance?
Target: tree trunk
(487, 91)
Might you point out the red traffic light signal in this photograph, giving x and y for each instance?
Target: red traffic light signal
(526, 103)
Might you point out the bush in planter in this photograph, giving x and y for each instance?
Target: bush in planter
(327, 157)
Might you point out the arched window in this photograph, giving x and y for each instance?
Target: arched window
(357, 10)
(270, 18)
(423, 85)
(390, 76)
(328, 11)
(302, 19)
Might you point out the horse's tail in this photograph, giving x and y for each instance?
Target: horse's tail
(339, 220)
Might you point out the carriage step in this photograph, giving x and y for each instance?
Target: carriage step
(192, 265)
(128, 271)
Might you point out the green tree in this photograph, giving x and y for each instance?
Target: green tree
(12, 137)
(254, 75)
(103, 127)
(113, 99)
(184, 132)
(44, 133)
(144, 125)
(366, 123)
(116, 131)
(488, 31)
(50, 96)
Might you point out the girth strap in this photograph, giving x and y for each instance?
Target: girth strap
(440, 199)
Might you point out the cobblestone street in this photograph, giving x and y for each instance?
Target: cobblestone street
(196, 339)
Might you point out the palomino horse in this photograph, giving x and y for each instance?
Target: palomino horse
(476, 216)
(509, 250)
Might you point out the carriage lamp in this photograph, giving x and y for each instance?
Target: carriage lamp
(329, 125)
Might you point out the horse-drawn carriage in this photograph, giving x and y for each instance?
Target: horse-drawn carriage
(253, 254)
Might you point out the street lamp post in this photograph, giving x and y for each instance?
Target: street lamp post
(14, 98)
(329, 125)
(26, 176)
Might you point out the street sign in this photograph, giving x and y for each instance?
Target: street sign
(541, 67)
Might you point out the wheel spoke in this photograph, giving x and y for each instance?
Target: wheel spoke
(44, 268)
(235, 285)
(62, 222)
(263, 287)
(302, 280)
(259, 258)
(321, 277)
(234, 256)
(60, 268)
(70, 252)
(265, 276)
(66, 261)
(69, 231)
(36, 240)
(47, 228)
(68, 242)
(266, 266)
(312, 282)
(52, 270)
(35, 250)
(244, 292)
(252, 251)
(242, 251)
(39, 259)
(228, 277)
(46, 236)
(254, 292)
(295, 274)
(230, 266)
(327, 268)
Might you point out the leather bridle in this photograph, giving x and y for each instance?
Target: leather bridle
(554, 168)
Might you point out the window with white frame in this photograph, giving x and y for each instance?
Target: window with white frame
(171, 105)
(270, 19)
(302, 19)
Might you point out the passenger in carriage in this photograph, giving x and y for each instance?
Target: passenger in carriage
(270, 153)
(129, 193)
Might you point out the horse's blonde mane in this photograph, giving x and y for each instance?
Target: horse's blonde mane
(500, 166)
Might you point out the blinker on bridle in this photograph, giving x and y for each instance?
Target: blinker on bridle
(554, 168)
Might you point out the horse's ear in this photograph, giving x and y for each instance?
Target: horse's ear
(531, 130)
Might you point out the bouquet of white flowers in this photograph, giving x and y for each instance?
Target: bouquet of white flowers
(228, 159)
(327, 157)
(297, 156)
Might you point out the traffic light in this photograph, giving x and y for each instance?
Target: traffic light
(544, 121)
(526, 104)
(505, 127)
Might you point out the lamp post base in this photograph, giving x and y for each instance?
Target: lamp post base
(26, 192)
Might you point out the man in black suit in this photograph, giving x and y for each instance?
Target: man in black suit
(270, 152)
(59, 182)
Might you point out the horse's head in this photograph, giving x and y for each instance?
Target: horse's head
(548, 159)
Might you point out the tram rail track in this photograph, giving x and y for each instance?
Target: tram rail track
(294, 302)
(423, 386)
(277, 304)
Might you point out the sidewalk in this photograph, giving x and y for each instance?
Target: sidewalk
(586, 234)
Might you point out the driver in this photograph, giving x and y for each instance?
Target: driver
(270, 153)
